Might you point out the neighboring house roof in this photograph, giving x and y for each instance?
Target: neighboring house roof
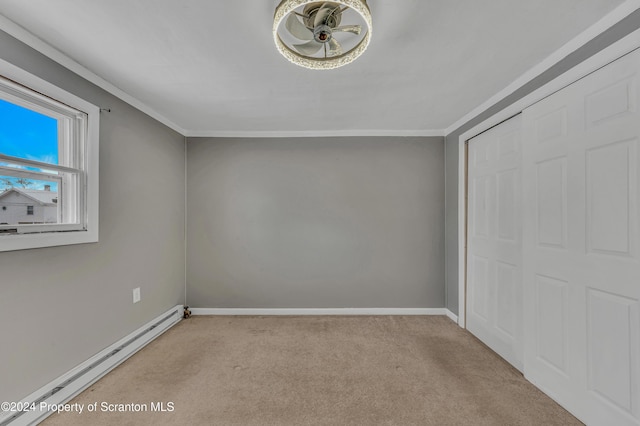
(39, 196)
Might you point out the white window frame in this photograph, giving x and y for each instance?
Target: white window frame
(77, 174)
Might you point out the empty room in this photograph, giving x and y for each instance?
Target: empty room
(299, 212)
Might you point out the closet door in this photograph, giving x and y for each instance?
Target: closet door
(581, 245)
(494, 285)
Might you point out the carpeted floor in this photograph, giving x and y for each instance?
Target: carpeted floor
(386, 370)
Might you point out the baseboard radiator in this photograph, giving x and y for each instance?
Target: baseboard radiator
(67, 386)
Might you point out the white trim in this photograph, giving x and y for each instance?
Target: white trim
(599, 60)
(91, 169)
(310, 133)
(54, 54)
(33, 82)
(609, 20)
(453, 317)
(319, 311)
(462, 237)
(94, 374)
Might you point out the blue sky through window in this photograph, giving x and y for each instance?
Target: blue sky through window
(27, 134)
(30, 135)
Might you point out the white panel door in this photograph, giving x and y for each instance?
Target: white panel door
(581, 252)
(494, 289)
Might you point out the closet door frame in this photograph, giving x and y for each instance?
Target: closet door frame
(618, 49)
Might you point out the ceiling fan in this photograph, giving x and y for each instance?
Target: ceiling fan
(315, 33)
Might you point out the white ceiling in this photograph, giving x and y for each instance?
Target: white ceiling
(210, 67)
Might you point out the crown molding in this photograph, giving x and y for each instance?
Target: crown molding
(54, 54)
(313, 133)
(608, 21)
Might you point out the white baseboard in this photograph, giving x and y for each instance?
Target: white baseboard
(453, 317)
(320, 311)
(77, 380)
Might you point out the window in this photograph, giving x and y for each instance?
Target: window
(48, 164)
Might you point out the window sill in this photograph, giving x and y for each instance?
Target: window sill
(10, 242)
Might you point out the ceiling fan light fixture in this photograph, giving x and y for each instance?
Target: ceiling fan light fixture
(322, 33)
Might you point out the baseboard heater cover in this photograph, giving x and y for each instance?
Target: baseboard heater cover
(67, 386)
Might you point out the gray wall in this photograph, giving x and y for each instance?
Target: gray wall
(315, 223)
(615, 33)
(61, 305)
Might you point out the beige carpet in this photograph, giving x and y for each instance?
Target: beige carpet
(318, 371)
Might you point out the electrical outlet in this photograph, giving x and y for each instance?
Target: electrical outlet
(136, 295)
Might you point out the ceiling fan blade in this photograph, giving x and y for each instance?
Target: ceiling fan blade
(309, 48)
(323, 12)
(334, 48)
(355, 29)
(297, 28)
